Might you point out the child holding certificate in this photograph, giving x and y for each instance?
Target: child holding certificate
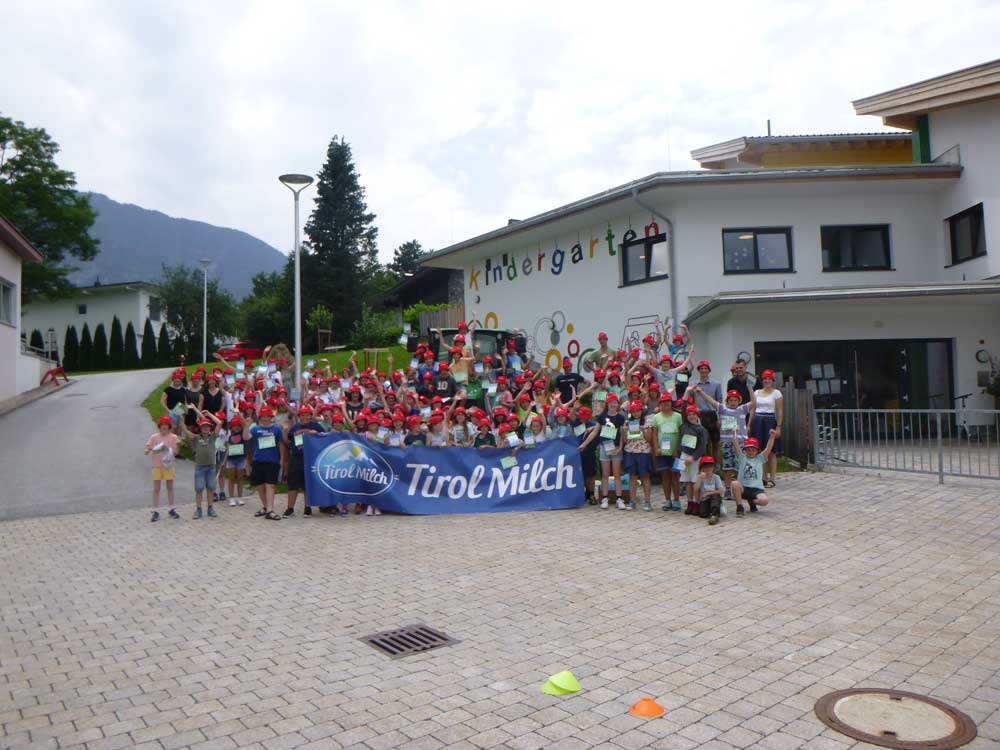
(611, 423)
(236, 460)
(694, 438)
(162, 446)
(733, 426)
(266, 437)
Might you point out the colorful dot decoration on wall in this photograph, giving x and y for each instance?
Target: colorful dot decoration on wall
(552, 331)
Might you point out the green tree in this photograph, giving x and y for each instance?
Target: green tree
(404, 259)
(100, 356)
(86, 350)
(164, 348)
(42, 201)
(148, 345)
(116, 346)
(181, 292)
(319, 318)
(373, 329)
(342, 255)
(37, 341)
(131, 359)
(266, 313)
(71, 349)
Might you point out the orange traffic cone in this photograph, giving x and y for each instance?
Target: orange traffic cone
(647, 708)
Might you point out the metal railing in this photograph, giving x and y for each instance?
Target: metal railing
(941, 442)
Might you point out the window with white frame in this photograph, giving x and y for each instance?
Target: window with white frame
(8, 303)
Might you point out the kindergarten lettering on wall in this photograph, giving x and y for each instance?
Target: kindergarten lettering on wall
(553, 261)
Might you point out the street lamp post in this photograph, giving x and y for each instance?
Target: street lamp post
(205, 263)
(297, 183)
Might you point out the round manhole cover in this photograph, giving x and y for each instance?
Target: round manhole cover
(893, 718)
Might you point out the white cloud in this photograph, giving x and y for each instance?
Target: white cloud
(459, 116)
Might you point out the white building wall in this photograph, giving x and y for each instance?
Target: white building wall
(30, 370)
(966, 321)
(10, 339)
(562, 313)
(976, 130)
(129, 305)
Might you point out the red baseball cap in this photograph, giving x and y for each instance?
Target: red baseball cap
(751, 443)
(164, 420)
(602, 336)
(704, 363)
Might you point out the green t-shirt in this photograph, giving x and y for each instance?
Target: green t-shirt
(669, 428)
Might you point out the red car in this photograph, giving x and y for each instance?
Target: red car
(243, 349)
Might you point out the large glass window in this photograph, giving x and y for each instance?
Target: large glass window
(862, 247)
(968, 235)
(8, 303)
(757, 250)
(644, 259)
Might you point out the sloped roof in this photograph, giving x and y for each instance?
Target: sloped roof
(12, 237)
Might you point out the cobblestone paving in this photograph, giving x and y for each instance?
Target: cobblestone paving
(240, 632)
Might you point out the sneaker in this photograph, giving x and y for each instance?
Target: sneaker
(197, 512)
(604, 503)
(739, 511)
(308, 511)
(289, 512)
(728, 495)
(666, 506)
(753, 507)
(358, 509)
(591, 500)
(378, 512)
(647, 505)
(174, 514)
(215, 497)
(620, 504)
(222, 496)
(369, 511)
(232, 502)
(239, 501)
(676, 505)
(211, 512)
(713, 520)
(631, 505)
(343, 511)
(155, 517)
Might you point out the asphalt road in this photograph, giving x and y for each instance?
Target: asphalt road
(82, 449)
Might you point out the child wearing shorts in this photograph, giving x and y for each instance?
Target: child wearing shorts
(694, 438)
(266, 465)
(294, 441)
(203, 443)
(236, 460)
(162, 446)
(638, 464)
(709, 491)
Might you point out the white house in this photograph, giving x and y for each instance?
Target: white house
(856, 262)
(131, 301)
(19, 371)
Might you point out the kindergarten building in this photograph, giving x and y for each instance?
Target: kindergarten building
(858, 264)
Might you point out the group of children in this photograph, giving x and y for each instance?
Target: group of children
(639, 413)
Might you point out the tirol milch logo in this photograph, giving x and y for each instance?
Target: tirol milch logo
(347, 468)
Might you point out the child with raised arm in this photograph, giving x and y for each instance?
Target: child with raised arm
(162, 446)
(732, 422)
(203, 444)
(749, 485)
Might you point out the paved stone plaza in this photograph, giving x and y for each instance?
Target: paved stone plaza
(240, 632)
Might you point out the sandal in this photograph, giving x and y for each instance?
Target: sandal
(260, 513)
(272, 516)
(768, 483)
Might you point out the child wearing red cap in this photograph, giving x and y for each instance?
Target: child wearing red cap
(750, 483)
(666, 429)
(267, 460)
(162, 446)
(484, 436)
(708, 493)
(203, 444)
(610, 424)
(733, 429)
(294, 439)
(694, 438)
(637, 464)
(236, 461)
(585, 431)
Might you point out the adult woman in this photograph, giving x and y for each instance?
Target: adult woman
(768, 415)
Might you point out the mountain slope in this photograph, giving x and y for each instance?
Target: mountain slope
(136, 242)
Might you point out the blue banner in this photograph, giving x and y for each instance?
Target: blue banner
(345, 468)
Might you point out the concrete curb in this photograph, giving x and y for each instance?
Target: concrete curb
(29, 397)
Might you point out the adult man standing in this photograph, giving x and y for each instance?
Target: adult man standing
(705, 386)
(567, 381)
(599, 358)
(741, 382)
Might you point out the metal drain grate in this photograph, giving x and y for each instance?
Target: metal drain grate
(413, 639)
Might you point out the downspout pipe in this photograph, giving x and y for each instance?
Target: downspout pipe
(671, 264)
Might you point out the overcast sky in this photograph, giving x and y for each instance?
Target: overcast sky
(460, 115)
